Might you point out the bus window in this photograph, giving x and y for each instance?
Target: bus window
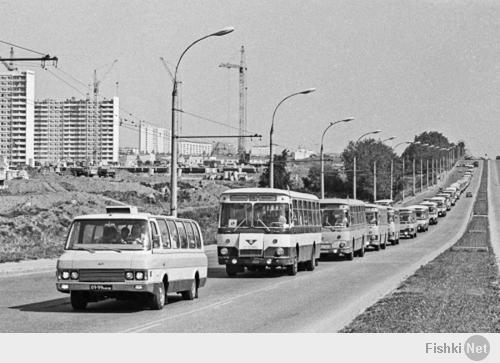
(197, 237)
(300, 212)
(165, 236)
(174, 235)
(155, 237)
(190, 235)
(182, 234)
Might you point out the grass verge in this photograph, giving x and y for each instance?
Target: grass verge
(458, 292)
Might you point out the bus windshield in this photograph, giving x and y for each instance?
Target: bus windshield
(109, 234)
(334, 218)
(405, 217)
(259, 215)
(267, 215)
(420, 214)
(235, 215)
(371, 217)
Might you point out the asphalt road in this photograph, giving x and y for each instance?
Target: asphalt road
(324, 300)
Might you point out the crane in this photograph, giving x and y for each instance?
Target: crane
(95, 122)
(243, 101)
(178, 99)
(10, 65)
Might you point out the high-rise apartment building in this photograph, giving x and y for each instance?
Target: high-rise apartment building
(192, 148)
(17, 97)
(77, 131)
(153, 139)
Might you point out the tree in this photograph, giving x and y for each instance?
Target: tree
(335, 184)
(281, 173)
(368, 152)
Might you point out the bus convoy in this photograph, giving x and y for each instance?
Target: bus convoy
(124, 254)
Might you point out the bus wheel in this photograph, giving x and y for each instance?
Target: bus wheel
(361, 252)
(192, 293)
(311, 264)
(231, 270)
(294, 267)
(350, 255)
(79, 300)
(158, 298)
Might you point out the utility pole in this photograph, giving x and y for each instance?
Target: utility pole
(392, 178)
(374, 181)
(414, 189)
(242, 68)
(421, 175)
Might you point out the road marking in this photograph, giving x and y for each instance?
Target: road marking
(145, 326)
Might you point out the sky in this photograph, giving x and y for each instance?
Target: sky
(403, 67)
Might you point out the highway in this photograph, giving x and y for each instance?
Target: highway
(323, 300)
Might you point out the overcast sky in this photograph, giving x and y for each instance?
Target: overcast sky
(400, 66)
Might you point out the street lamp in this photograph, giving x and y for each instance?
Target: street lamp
(392, 169)
(322, 177)
(173, 162)
(389, 139)
(354, 161)
(271, 156)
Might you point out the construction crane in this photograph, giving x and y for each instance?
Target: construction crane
(243, 101)
(95, 121)
(10, 64)
(12, 59)
(178, 99)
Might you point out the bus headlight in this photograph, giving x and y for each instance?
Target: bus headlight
(129, 275)
(275, 241)
(65, 275)
(228, 241)
(342, 244)
(280, 251)
(139, 275)
(74, 275)
(224, 251)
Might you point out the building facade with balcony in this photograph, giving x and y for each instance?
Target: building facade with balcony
(77, 131)
(17, 97)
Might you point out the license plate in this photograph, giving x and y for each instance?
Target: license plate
(100, 287)
(256, 261)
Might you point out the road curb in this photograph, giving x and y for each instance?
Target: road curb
(346, 316)
(30, 267)
(492, 222)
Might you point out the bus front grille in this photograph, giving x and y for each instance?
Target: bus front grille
(102, 275)
(250, 253)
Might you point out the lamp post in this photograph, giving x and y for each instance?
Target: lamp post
(271, 132)
(422, 170)
(392, 169)
(173, 162)
(413, 163)
(375, 172)
(322, 176)
(354, 161)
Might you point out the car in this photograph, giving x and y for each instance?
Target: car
(468, 194)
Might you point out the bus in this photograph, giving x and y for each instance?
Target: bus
(344, 227)
(125, 254)
(408, 222)
(433, 212)
(262, 228)
(378, 226)
(393, 219)
(423, 219)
